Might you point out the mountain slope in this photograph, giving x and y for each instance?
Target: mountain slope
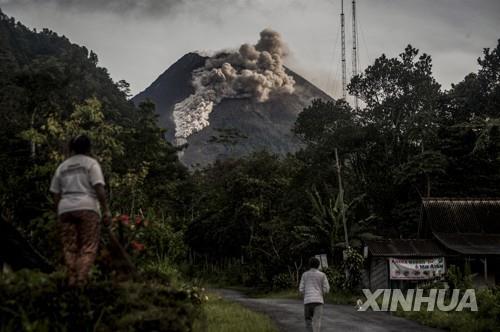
(238, 126)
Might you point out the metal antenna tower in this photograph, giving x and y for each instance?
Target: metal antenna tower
(342, 29)
(354, 48)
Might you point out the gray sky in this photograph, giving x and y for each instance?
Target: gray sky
(138, 39)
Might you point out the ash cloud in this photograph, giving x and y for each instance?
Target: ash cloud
(254, 71)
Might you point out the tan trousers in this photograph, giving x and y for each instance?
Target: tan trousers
(80, 239)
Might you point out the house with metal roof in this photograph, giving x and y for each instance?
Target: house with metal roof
(401, 263)
(469, 227)
(451, 231)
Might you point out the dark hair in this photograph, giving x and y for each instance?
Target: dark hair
(313, 262)
(80, 144)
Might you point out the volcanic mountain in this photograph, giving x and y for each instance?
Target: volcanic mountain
(236, 124)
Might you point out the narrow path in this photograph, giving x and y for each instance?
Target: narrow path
(288, 315)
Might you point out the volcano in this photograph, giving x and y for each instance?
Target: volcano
(237, 124)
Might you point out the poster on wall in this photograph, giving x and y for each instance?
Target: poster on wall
(416, 268)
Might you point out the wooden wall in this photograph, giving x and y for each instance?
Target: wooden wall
(377, 274)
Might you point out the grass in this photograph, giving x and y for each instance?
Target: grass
(454, 321)
(225, 316)
(487, 318)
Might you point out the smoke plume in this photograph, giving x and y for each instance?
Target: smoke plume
(254, 71)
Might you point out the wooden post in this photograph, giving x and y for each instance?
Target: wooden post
(485, 264)
(486, 271)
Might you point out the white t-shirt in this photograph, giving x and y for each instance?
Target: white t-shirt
(75, 179)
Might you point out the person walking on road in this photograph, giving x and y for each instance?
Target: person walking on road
(313, 285)
(79, 195)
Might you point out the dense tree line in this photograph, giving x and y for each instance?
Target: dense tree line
(51, 90)
(409, 139)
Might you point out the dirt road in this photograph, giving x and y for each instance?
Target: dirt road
(288, 316)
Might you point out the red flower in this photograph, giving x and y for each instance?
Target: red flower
(125, 219)
(138, 220)
(137, 246)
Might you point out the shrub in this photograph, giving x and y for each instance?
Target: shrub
(32, 301)
(336, 278)
(150, 238)
(353, 264)
(488, 301)
(161, 271)
(254, 276)
(283, 281)
(487, 318)
(458, 279)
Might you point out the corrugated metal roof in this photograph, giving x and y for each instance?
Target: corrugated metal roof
(405, 248)
(465, 215)
(471, 244)
(465, 225)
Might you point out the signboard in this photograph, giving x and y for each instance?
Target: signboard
(416, 268)
(323, 261)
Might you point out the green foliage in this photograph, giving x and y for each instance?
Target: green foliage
(51, 90)
(353, 265)
(165, 243)
(256, 219)
(336, 278)
(328, 219)
(240, 210)
(328, 223)
(408, 140)
(225, 316)
(33, 301)
(488, 300)
(487, 318)
(283, 281)
(458, 279)
(347, 275)
(161, 271)
(87, 118)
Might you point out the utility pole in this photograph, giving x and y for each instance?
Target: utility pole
(354, 49)
(342, 29)
(341, 194)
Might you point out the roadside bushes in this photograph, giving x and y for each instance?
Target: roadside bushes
(487, 318)
(488, 302)
(457, 278)
(353, 264)
(336, 275)
(33, 301)
(336, 278)
(283, 281)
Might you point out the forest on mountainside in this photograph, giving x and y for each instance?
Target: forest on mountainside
(263, 214)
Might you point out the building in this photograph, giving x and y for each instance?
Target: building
(469, 227)
(402, 263)
(461, 232)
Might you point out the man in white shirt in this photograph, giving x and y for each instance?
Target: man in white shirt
(313, 285)
(79, 194)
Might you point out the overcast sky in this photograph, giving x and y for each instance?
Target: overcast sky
(138, 39)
